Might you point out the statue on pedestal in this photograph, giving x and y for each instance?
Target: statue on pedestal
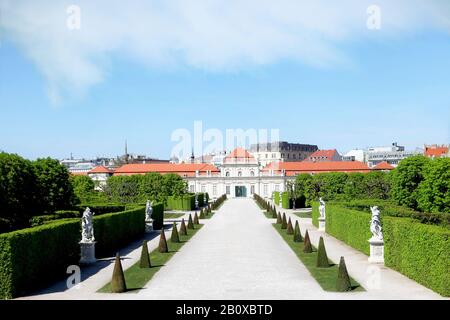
(322, 208)
(375, 224)
(148, 211)
(87, 227)
(196, 201)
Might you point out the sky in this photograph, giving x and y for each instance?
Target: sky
(81, 80)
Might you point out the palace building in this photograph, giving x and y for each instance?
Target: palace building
(239, 174)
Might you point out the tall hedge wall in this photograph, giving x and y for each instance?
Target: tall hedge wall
(285, 201)
(115, 230)
(158, 216)
(185, 203)
(33, 257)
(419, 251)
(276, 197)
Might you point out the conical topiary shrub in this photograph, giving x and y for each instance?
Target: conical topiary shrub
(174, 238)
(274, 213)
(163, 243)
(322, 258)
(284, 221)
(279, 220)
(290, 229)
(202, 214)
(196, 218)
(343, 280)
(118, 284)
(145, 257)
(307, 248)
(183, 230)
(297, 233)
(190, 223)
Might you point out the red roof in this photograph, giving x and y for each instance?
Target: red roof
(435, 151)
(328, 154)
(294, 168)
(239, 155)
(101, 169)
(383, 166)
(183, 169)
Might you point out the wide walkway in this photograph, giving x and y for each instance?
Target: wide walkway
(239, 255)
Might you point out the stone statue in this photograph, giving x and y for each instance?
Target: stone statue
(148, 211)
(87, 226)
(375, 224)
(322, 208)
(196, 201)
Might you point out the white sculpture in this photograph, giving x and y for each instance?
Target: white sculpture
(375, 224)
(322, 208)
(87, 227)
(196, 201)
(148, 211)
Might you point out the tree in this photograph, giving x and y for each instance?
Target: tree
(17, 191)
(83, 187)
(174, 185)
(433, 191)
(55, 190)
(322, 258)
(123, 189)
(406, 178)
(302, 184)
(343, 279)
(152, 186)
(377, 185)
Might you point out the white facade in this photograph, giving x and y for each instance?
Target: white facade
(238, 177)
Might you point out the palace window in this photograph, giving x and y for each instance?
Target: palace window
(227, 174)
(214, 190)
(192, 188)
(277, 187)
(203, 189)
(240, 174)
(252, 173)
(227, 190)
(252, 189)
(266, 189)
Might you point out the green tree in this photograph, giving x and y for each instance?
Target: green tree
(406, 178)
(377, 185)
(174, 185)
(17, 192)
(302, 187)
(83, 187)
(55, 190)
(152, 186)
(433, 191)
(123, 189)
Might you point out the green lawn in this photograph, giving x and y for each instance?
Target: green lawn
(136, 278)
(326, 277)
(303, 214)
(172, 215)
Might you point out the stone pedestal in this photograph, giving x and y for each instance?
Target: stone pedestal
(376, 251)
(148, 226)
(322, 224)
(87, 252)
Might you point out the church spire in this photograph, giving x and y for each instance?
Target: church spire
(126, 151)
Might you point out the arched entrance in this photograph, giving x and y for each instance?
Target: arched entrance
(240, 191)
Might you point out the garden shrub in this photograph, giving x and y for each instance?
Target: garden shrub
(184, 203)
(276, 197)
(417, 250)
(31, 258)
(115, 230)
(158, 215)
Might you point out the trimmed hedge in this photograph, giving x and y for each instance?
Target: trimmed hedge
(417, 250)
(100, 208)
(276, 197)
(158, 215)
(285, 201)
(115, 230)
(33, 257)
(184, 203)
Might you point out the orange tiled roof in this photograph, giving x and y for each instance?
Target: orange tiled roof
(184, 169)
(101, 169)
(436, 152)
(293, 168)
(383, 166)
(329, 154)
(239, 153)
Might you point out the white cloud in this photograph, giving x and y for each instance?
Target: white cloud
(214, 35)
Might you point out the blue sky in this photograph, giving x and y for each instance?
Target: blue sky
(355, 89)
